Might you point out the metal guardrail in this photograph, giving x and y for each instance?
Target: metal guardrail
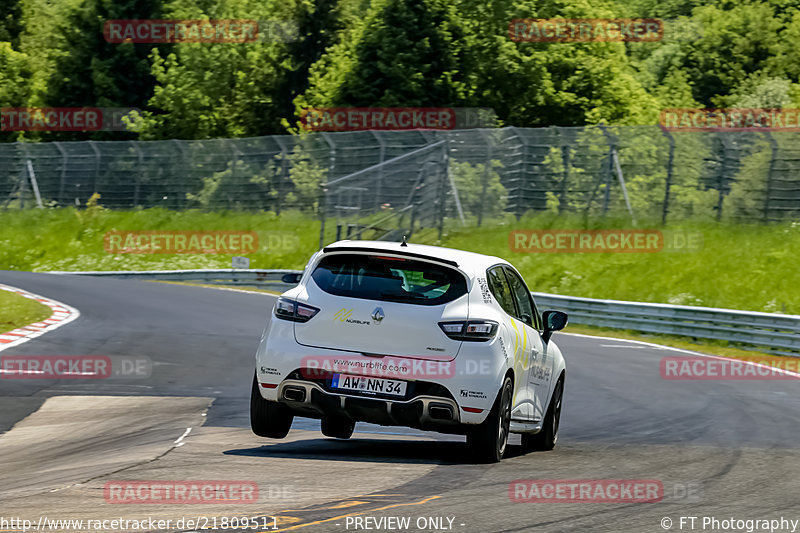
(265, 279)
(778, 334)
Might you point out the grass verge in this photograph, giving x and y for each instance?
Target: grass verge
(749, 267)
(17, 311)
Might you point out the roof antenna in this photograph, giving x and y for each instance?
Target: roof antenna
(404, 243)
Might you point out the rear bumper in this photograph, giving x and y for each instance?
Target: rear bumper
(469, 386)
(431, 413)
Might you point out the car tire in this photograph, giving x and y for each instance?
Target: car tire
(489, 441)
(546, 439)
(338, 427)
(268, 419)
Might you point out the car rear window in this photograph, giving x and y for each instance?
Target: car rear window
(389, 279)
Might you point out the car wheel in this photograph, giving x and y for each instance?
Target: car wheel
(268, 419)
(546, 439)
(338, 427)
(490, 440)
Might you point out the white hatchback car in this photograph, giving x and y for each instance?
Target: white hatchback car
(411, 335)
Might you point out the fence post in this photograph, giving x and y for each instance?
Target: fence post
(182, 153)
(23, 182)
(96, 165)
(234, 180)
(767, 194)
(139, 168)
(609, 167)
(446, 178)
(283, 175)
(566, 161)
(721, 176)
(382, 156)
(668, 184)
(519, 206)
(486, 172)
(63, 178)
(324, 200)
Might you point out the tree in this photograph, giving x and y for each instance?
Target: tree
(219, 89)
(403, 53)
(736, 43)
(15, 75)
(10, 21)
(319, 24)
(99, 73)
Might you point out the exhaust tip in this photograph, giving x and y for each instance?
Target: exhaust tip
(294, 394)
(440, 412)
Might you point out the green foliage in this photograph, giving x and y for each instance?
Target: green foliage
(220, 89)
(44, 42)
(306, 175)
(239, 186)
(14, 72)
(10, 23)
(95, 72)
(402, 53)
(405, 53)
(736, 43)
(479, 189)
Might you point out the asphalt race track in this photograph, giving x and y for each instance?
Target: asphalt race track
(723, 449)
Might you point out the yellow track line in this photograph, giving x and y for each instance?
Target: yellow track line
(298, 526)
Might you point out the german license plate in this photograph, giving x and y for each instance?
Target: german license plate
(365, 384)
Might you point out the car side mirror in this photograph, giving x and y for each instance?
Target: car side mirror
(553, 321)
(291, 279)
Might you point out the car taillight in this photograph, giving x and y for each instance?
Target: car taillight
(469, 330)
(291, 310)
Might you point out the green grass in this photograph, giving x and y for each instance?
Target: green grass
(17, 311)
(69, 239)
(749, 267)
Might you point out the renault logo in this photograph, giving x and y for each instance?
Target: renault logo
(377, 315)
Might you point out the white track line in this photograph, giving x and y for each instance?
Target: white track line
(62, 314)
(180, 442)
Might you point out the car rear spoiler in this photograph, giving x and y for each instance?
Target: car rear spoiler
(328, 249)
